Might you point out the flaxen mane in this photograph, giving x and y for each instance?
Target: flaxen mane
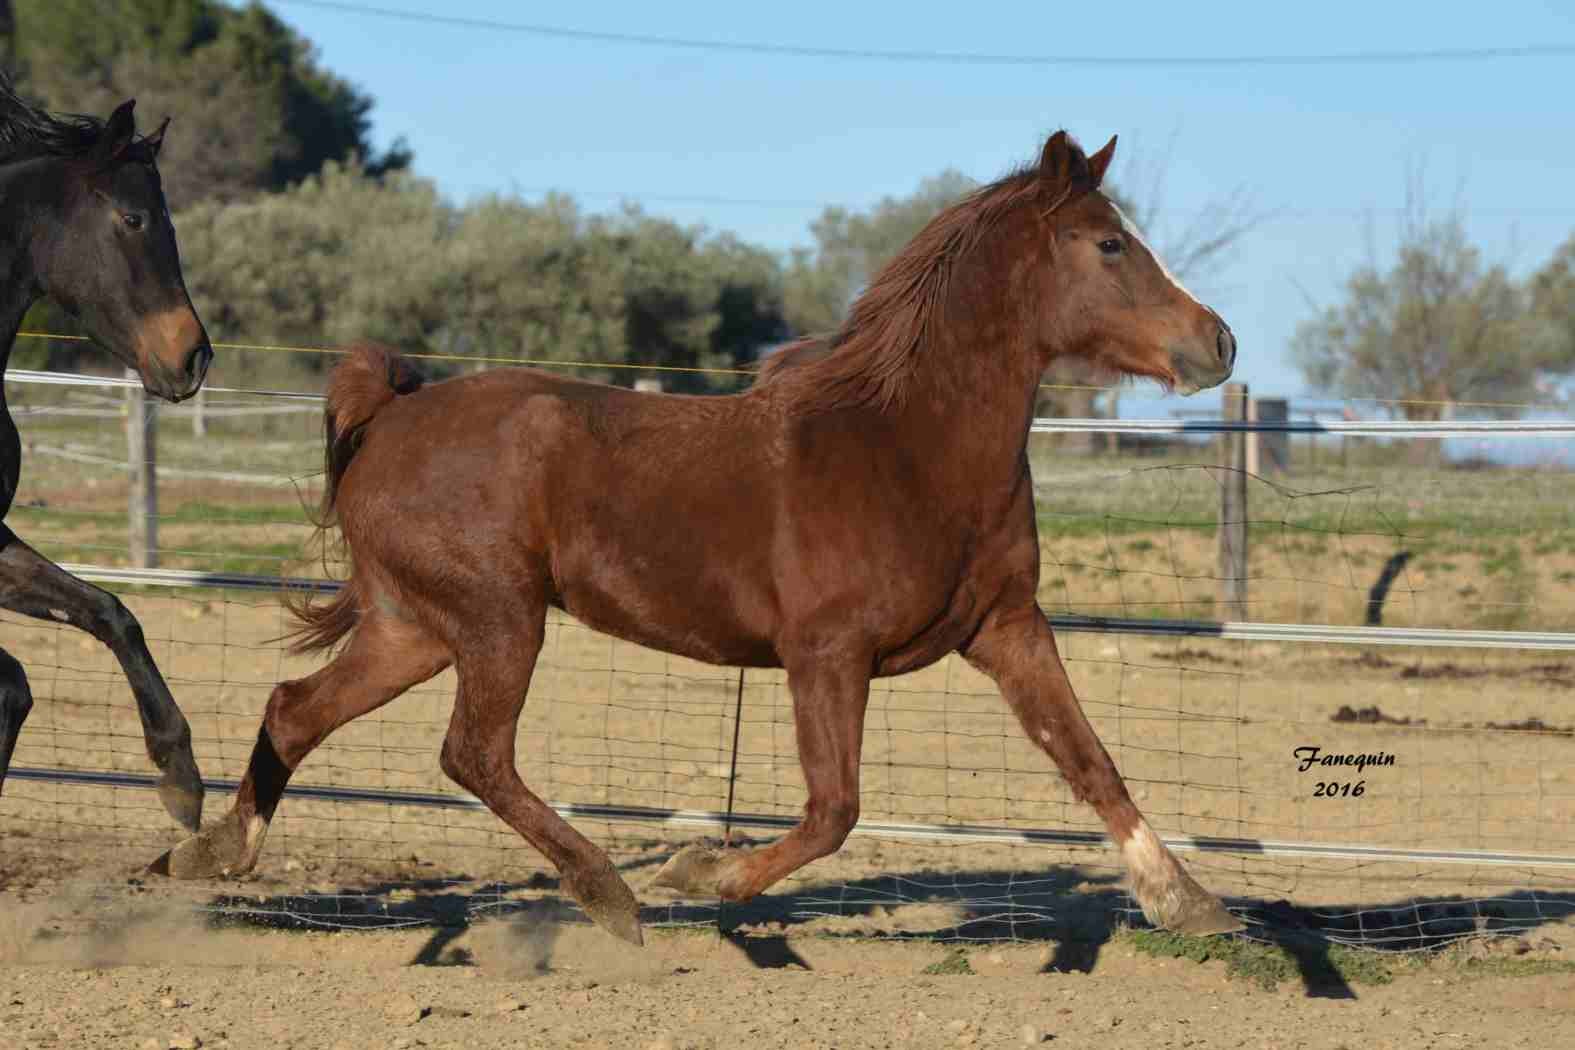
(870, 357)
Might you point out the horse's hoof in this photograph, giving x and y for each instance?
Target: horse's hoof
(181, 791)
(182, 803)
(219, 851)
(1188, 908)
(1206, 920)
(609, 902)
(695, 870)
(622, 923)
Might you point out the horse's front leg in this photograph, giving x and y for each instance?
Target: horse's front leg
(16, 700)
(34, 586)
(830, 694)
(1016, 648)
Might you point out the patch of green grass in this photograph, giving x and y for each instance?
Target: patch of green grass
(1268, 964)
(1509, 966)
(1141, 545)
(255, 514)
(185, 514)
(955, 963)
(265, 559)
(1265, 964)
(247, 559)
(1505, 561)
(1082, 524)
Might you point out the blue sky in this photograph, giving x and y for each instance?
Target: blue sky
(1323, 149)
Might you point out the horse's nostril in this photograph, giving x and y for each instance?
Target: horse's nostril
(197, 360)
(1226, 343)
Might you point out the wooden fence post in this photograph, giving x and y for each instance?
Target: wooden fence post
(1254, 462)
(1233, 507)
(1274, 448)
(142, 419)
(199, 420)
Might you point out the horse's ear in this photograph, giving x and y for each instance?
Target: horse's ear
(1099, 162)
(156, 140)
(1063, 167)
(119, 131)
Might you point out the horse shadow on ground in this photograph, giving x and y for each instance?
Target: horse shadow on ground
(1072, 910)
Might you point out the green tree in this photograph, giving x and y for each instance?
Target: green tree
(252, 107)
(7, 35)
(529, 285)
(338, 257)
(342, 256)
(1436, 327)
(1553, 297)
(850, 247)
(751, 299)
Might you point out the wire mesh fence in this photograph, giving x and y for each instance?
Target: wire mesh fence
(1463, 819)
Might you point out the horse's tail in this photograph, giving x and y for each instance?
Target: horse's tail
(368, 378)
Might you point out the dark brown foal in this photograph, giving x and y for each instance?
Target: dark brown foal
(863, 510)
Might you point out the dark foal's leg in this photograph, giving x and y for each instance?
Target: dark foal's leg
(383, 659)
(1017, 649)
(829, 700)
(478, 754)
(32, 585)
(16, 700)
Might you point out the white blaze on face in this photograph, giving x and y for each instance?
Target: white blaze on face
(1131, 230)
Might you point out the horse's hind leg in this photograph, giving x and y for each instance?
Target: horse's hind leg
(478, 754)
(16, 700)
(830, 696)
(1017, 649)
(35, 586)
(384, 658)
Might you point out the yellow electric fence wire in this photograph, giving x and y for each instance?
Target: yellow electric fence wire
(544, 363)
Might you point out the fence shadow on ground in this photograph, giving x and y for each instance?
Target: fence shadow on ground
(1073, 911)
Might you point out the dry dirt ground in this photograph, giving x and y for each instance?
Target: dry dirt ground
(156, 980)
(1203, 730)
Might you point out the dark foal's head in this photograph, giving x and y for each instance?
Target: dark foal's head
(110, 260)
(1115, 303)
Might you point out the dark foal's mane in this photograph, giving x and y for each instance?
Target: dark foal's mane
(870, 359)
(27, 132)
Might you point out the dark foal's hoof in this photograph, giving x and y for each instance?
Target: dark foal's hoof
(608, 901)
(181, 790)
(693, 870)
(216, 852)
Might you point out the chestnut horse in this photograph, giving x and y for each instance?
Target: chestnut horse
(862, 513)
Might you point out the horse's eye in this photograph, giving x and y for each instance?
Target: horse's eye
(133, 220)
(1113, 246)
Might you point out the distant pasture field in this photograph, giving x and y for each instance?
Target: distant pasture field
(1123, 536)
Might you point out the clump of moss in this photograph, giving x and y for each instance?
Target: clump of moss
(1267, 964)
(956, 962)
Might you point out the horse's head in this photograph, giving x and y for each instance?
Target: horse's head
(1114, 303)
(112, 263)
